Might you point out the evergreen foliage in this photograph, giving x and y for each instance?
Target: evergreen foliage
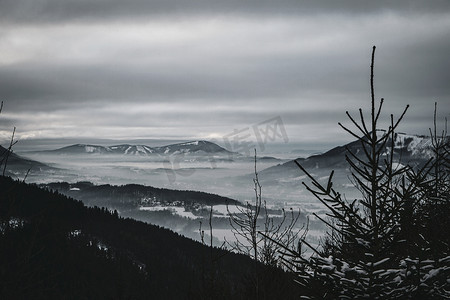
(393, 241)
(130, 195)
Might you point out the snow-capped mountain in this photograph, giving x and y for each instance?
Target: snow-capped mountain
(284, 180)
(195, 147)
(80, 149)
(131, 150)
(412, 146)
(189, 148)
(408, 150)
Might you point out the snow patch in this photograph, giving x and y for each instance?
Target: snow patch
(90, 149)
(190, 143)
(222, 209)
(149, 150)
(177, 210)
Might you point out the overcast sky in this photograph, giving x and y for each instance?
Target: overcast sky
(201, 69)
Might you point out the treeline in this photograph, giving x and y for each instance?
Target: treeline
(130, 195)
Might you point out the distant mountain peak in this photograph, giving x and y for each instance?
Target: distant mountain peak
(82, 148)
(198, 146)
(193, 143)
(127, 149)
(191, 147)
(414, 150)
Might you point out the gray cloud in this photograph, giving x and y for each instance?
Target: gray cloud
(161, 69)
(82, 10)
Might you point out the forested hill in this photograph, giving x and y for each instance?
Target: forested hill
(54, 247)
(18, 163)
(132, 195)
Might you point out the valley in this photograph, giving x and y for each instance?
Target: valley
(176, 186)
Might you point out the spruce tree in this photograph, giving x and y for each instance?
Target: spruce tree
(378, 246)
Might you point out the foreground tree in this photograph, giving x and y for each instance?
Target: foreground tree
(379, 245)
(257, 234)
(261, 236)
(6, 152)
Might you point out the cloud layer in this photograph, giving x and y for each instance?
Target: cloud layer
(162, 69)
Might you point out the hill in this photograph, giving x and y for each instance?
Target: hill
(133, 195)
(53, 247)
(19, 164)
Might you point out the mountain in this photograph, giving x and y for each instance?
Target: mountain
(189, 148)
(16, 163)
(79, 149)
(408, 149)
(195, 147)
(131, 149)
(53, 247)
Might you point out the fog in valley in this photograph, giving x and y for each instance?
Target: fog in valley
(230, 175)
(227, 175)
(151, 184)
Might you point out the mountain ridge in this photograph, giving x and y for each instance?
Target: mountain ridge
(18, 162)
(407, 148)
(186, 148)
(413, 150)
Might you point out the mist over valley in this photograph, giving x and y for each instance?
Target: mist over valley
(124, 178)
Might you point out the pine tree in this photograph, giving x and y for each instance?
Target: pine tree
(378, 245)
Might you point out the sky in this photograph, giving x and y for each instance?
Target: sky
(80, 70)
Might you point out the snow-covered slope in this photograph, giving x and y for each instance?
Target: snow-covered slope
(195, 147)
(131, 150)
(80, 148)
(415, 147)
(408, 149)
(192, 148)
